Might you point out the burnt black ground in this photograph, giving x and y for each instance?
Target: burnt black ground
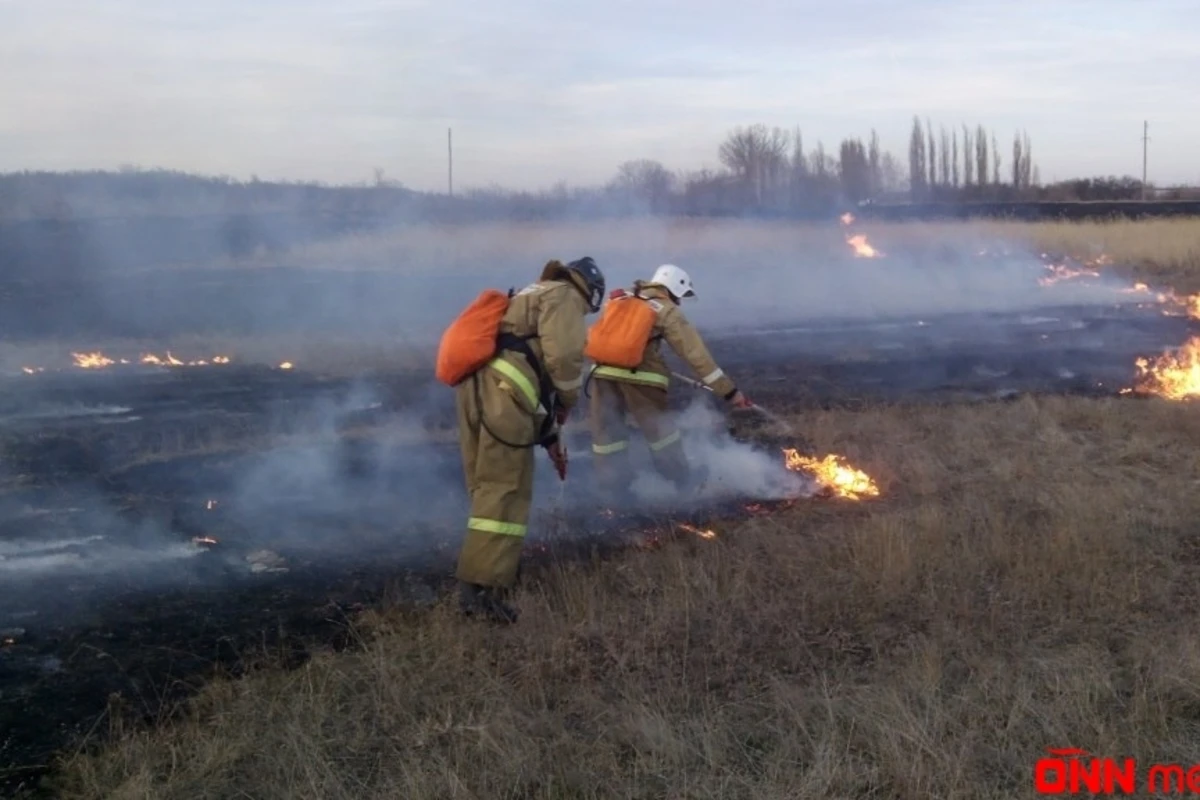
(365, 512)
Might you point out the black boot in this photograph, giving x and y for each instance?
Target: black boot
(485, 601)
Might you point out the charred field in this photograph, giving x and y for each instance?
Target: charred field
(162, 525)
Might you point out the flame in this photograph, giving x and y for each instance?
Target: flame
(92, 360)
(32, 370)
(97, 360)
(861, 248)
(847, 218)
(1173, 375)
(703, 534)
(203, 540)
(1061, 272)
(833, 474)
(286, 365)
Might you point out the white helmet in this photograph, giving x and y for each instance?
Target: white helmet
(676, 280)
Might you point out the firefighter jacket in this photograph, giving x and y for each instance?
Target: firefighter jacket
(549, 316)
(672, 326)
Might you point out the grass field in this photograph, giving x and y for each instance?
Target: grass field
(1160, 249)
(1025, 581)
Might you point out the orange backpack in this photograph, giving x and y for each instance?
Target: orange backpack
(471, 339)
(619, 337)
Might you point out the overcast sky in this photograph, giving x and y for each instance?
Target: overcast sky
(538, 91)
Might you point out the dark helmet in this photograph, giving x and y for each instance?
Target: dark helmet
(593, 278)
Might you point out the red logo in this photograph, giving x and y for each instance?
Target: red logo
(1072, 771)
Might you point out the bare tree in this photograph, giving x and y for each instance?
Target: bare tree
(945, 159)
(968, 157)
(758, 157)
(647, 181)
(996, 159)
(916, 162)
(854, 169)
(1016, 162)
(981, 155)
(891, 176)
(874, 165)
(954, 159)
(932, 156)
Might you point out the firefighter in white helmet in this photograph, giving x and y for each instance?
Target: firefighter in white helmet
(631, 378)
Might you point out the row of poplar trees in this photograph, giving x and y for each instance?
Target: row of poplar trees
(934, 163)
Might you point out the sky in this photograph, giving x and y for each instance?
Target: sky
(538, 92)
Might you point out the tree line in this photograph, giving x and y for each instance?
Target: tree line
(763, 172)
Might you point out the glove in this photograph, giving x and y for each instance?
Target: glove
(740, 400)
(558, 454)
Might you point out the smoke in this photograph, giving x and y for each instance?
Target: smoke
(285, 287)
(733, 470)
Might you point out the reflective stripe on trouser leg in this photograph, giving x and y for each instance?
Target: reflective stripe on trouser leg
(649, 406)
(502, 481)
(610, 436)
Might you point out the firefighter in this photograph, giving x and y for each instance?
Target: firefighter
(517, 402)
(630, 379)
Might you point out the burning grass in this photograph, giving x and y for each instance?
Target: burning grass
(1024, 580)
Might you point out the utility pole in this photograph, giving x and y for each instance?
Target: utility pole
(1145, 142)
(450, 161)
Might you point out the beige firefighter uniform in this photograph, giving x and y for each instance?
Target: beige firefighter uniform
(641, 393)
(502, 414)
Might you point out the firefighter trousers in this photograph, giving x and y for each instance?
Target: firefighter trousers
(610, 403)
(499, 478)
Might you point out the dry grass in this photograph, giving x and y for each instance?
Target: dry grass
(1027, 580)
(1160, 248)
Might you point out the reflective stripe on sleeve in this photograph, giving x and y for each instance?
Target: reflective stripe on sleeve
(713, 376)
(620, 374)
(609, 449)
(496, 526)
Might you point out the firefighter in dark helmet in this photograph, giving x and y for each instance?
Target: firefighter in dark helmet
(518, 401)
(630, 378)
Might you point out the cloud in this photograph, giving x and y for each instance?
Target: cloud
(538, 90)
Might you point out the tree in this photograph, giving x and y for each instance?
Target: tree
(758, 158)
(874, 165)
(981, 155)
(931, 157)
(855, 170)
(945, 160)
(995, 161)
(954, 159)
(647, 181)
(968, 157)
(916, 162)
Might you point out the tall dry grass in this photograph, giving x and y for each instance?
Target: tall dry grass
(1157, 249)
(1027, 579)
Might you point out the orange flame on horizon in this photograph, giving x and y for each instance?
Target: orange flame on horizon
(861, 248)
